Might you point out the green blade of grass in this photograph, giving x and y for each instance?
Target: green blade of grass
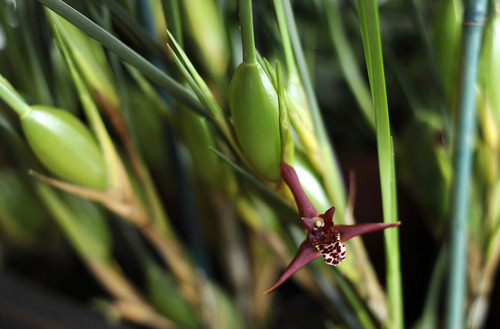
(464, 138)
(370, 32)
(124, 52)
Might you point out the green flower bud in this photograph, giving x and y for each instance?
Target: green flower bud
(254, 107)
(64, 145)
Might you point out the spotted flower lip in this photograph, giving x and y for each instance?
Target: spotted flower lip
(323, 238)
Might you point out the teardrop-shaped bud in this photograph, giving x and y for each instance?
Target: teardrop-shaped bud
(254, 107)
(64, 145)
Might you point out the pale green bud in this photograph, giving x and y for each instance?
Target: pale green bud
(254, 108)
(64, 145)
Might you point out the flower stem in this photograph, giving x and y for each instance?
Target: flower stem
(246, 21)
(473, 22)
(12, 98)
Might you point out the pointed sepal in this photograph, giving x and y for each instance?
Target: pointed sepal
(305, 255)
(306, 208)
(350, 231)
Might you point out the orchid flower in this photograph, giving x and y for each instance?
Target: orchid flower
(323, 238)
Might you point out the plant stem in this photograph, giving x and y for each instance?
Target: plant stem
(472, 27)
(10, 96)
(246, 21)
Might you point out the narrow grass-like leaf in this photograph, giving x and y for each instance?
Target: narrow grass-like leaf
(189, 79)
(370, 32)
(196, 82)
(124, 52)
(393, 258)
(173, 17)
(206, 98)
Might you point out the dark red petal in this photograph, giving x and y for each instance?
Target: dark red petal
(306, 208)
(328, 217)
(350, 231)
(305, 254)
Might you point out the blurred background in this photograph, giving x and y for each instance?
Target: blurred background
(183, 229)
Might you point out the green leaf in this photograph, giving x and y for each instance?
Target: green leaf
(372, 45)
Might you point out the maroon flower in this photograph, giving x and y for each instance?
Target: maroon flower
(323, 238)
